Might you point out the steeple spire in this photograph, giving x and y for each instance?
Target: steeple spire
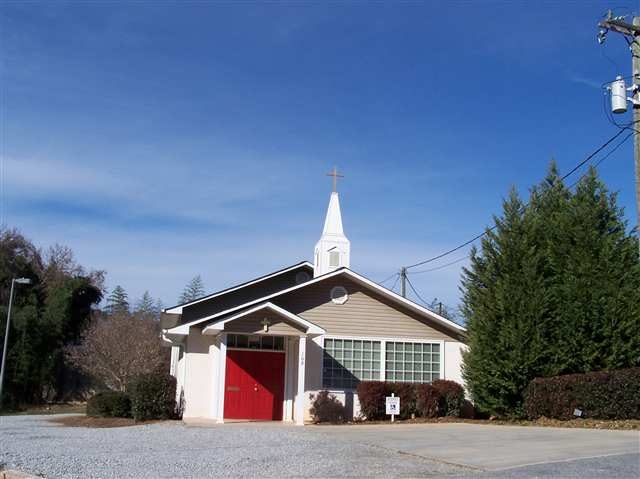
(333, 249)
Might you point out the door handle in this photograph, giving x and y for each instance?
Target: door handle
(255, 387)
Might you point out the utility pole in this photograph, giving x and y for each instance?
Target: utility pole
(631, 32)
(403, 282)
(5, 349)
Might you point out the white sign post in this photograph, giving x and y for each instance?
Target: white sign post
(392, 404)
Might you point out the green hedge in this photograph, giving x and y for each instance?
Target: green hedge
(109, 404)
(439, 398)
(599, 395)
(153, 396)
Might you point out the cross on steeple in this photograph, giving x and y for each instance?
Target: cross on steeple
(335, 175)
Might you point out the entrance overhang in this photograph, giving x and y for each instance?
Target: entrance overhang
(301, 325)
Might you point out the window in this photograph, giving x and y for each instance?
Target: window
(412, 362)
(302, 277)
(243, 341)
(348, 361)
(334, 259)
(339, 294)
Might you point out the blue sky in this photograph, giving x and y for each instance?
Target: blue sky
(165, 140)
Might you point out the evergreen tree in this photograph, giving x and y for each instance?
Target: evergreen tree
(555, 288)
(118, 301)
(147, 307)
(193, 290)
(45, 315)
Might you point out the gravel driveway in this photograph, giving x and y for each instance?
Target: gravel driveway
(171, 449)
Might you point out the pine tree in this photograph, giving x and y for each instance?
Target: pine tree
(555, 288)
(193, 290)
(117, 301)
(147, 307)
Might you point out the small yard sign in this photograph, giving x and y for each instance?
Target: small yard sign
(392, 404)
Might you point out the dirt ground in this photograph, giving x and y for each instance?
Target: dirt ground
(100, 422)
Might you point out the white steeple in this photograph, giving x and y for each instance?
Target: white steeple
(333, 249)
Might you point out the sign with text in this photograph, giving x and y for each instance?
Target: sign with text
(392, 404)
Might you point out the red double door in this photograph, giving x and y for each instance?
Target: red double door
(254, 385)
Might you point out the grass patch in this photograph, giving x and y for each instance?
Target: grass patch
(621, 424)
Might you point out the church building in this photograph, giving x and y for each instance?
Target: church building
(259, 350)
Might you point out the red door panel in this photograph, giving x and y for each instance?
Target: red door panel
(254, 385)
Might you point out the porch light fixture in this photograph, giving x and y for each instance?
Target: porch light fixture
(265, 324)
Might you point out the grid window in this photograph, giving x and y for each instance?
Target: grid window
(244, 341)
(348, 361)
(412, 362)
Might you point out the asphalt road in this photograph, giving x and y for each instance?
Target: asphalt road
(171, 449)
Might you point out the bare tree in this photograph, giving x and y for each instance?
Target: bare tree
(114, 349)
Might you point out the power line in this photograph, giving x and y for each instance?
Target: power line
(467, 243)
(387, 279)
(440, 267)
(395, 282)
(416, 293)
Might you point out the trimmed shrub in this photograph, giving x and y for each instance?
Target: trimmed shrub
(440, 398)
(468, 410)
(371, 395)
(427, 400)
(326, 407)
(153, 396)
(451, 397)
(407, 395)
(109, 404)
(599, 395)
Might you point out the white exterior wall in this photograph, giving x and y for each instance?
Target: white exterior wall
(198, 369)
(453, 361)
(200, 375)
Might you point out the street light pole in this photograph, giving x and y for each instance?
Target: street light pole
(6, 334)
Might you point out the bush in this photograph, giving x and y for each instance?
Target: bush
(407, 395)
(427, 400)
(440, 398)
(326, 407)
(451, 397)
(599, 395)
(371, 395)
(109, 404)
(153, 396)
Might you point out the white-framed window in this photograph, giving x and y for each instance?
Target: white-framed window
(348, 361)
(253, 341)
(302, 277)
(334, 259)
(339, 295)
(411, 362)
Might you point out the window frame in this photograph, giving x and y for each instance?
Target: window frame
(334, 253)
(383, 354)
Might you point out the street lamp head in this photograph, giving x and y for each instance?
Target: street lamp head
(23, 280)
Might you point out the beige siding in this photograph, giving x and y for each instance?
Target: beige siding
(365, 313)
(251, 324)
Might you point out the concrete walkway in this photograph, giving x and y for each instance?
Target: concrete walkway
(487, 447)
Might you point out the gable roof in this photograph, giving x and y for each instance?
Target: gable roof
(183, 329)
(294, 318)
(178, 308)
